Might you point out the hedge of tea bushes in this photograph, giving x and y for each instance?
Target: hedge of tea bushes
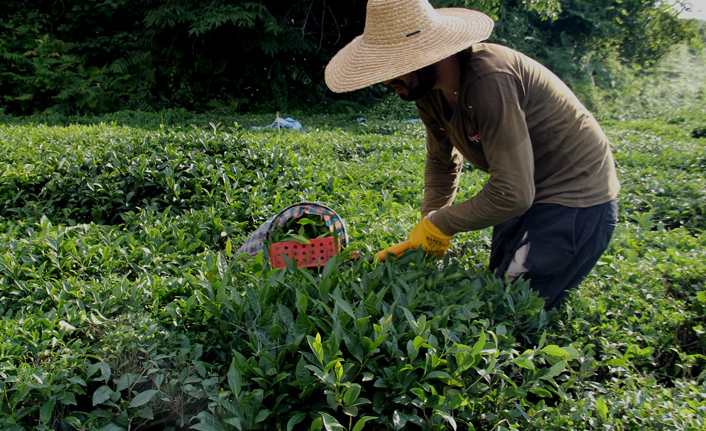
(125, 307)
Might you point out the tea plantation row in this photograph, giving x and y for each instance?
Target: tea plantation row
(124, 307)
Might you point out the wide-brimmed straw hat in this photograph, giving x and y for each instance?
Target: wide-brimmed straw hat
(402, 36)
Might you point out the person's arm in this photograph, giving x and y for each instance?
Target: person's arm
(442, 168)
(500, 121)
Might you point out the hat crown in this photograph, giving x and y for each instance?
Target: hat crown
(394, 21)
(402, 36)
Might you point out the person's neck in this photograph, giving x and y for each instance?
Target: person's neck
(449, 79)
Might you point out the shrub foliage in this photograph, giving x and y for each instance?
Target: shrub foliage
(97, 56)
(124, 307)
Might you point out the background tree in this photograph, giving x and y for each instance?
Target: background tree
(101, 56)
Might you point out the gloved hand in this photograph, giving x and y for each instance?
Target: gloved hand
(432, 240)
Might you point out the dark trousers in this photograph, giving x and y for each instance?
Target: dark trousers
(553, 246)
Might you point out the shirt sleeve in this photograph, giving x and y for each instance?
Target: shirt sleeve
(442, 168)
(495, 111)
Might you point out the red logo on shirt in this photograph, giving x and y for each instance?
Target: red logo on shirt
(474, 138)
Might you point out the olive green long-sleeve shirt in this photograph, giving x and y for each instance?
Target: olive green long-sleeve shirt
(521, 124)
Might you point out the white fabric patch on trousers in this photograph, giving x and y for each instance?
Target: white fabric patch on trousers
(517, 266)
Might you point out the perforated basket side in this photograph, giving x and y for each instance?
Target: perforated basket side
(303, 255)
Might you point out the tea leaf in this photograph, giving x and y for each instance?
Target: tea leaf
(557, 351)
(234, 379)
(602, 408)
(143, 398)
(102, 395)
(47, 409)
(295, 420)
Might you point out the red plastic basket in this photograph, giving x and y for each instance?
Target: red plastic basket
(303, 255)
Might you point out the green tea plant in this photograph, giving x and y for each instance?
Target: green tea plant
(301, 230)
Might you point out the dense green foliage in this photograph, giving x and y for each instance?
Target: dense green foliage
(101, 56)
(123, 306)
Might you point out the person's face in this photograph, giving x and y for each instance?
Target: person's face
(414, 85)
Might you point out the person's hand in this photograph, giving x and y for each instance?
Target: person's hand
(432, 240)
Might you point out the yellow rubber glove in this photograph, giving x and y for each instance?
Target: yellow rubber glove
(432, 240)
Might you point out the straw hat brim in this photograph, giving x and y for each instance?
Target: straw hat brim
(361, 64)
